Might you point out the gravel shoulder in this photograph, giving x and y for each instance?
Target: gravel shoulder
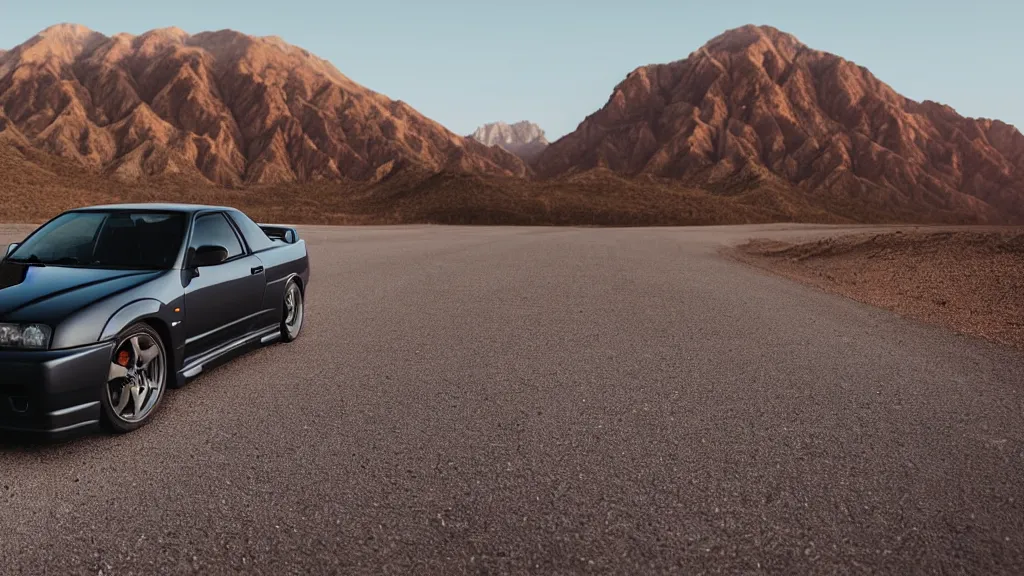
(969, 281)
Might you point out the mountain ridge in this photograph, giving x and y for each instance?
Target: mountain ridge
(223, 106)
(753, 116)
(757, 102)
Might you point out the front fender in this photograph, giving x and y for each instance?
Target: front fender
(102, 319)
(128, 314)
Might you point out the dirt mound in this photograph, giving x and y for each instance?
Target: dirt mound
(971, 281)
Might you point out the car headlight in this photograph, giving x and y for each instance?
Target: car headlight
(35, 336)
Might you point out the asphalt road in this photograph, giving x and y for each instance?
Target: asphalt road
(549, 401)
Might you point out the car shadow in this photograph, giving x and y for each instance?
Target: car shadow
(14, 442)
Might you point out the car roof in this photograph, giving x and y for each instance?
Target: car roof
(163, 206)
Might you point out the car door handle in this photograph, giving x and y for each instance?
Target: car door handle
(256, 270)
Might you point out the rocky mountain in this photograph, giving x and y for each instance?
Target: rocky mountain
(524, 139)
(755, 106)
(754, 126)
(221, 107)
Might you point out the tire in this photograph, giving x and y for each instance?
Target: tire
(293, 315)
(144, 379)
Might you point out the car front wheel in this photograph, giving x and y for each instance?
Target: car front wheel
(137, 379)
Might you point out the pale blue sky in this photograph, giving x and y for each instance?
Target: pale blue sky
(465, 62)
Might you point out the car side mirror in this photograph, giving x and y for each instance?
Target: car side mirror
(11, 248)
(208, 256)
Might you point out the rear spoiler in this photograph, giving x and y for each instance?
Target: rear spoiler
(286, 234)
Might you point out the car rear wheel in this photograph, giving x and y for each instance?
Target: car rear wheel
(294, 312)
(137, 379)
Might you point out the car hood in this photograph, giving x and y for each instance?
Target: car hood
(49, 293)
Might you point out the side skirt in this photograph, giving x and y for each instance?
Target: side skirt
(195, 366)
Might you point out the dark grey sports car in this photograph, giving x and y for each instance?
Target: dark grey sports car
(103, 308)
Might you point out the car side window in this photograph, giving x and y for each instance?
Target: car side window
(214, 230)
(254, 235)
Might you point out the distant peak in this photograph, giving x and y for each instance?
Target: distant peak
(68, 34)
(232, 34)
(761, 29)
(168, 32)
(523, 132)
(744, 36)
(222, 42)
(64, 41)
(223, 35)
(66, 29)
(526, 124)
(524, 139)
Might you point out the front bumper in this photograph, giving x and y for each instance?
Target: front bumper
(53, 391)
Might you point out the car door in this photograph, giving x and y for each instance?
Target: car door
(222, 301)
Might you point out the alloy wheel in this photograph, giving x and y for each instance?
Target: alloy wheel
(293, 309)
(138, 373)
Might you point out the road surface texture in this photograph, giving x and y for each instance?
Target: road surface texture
(551, 400)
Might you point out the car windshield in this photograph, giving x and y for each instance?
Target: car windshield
(106, 239)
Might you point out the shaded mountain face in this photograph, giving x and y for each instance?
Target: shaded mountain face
(755, 105)
(524, 139)
(218, 106)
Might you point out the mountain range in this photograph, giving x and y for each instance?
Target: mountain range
(220, 106)
(754, 125)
